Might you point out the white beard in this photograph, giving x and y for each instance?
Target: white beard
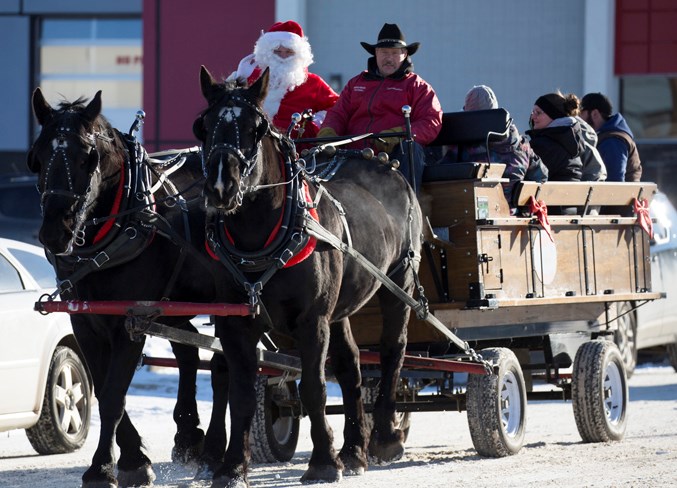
(285, 75)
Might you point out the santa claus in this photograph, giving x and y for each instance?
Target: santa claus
(291, 88)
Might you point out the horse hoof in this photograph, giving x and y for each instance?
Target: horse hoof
(100, 484)
(322, 474)
(142, 476)
(354, 463)
(186, 455)
(188, 451)
(204, 472)
(385, 453)
(227, 482)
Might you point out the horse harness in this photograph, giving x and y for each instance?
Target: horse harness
(128, 232)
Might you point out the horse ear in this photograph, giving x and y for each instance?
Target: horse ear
(259, 89)
(207, 83)
(43, 111)
(32, 162)
(93, 109)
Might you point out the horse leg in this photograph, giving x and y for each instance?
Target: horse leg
(313, 338)
(345, 364)
(104, 355)
(239, 348)
(216, 437)
(386, 443)
(189, 437)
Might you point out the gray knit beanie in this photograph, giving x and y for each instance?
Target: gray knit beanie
(480, 97)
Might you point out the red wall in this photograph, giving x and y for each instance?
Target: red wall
(178, 37)
(646, 37)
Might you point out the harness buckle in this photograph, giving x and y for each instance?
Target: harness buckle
(101, 259)
(64, 286)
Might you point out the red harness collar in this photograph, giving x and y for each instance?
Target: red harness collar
(300, 256)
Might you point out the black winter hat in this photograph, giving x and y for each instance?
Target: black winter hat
(553, 105)
(391, 36)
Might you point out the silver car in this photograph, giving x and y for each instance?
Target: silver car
(44, 384)
(653, 326)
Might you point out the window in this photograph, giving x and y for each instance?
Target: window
(10, 280)
(78, 57)
(649, 104)
(37, 266)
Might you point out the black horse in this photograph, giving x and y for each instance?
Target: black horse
(278, 233)
(116, 229)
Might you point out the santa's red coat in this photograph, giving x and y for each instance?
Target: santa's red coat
(314, 94)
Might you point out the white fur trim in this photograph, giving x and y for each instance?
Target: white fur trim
(281, 36)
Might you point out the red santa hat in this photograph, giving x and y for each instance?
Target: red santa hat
(288, 34)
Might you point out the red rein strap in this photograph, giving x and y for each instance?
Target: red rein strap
(539, 209)
(116, 208)
(643, 218)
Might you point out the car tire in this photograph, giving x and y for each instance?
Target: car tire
(672, 354)
(66, 408)
(625, 335)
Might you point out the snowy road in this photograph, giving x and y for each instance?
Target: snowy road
(439, 449)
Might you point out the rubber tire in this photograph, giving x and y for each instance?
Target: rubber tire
(273, 438)
(600, 392)
(671, 351)
(625, 336)
(67, 396)
(369, 394)
(496, 406)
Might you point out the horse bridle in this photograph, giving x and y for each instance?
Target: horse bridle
(60, 151)
(229, 116)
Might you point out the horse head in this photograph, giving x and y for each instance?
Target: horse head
(232, 129)
(67, 157)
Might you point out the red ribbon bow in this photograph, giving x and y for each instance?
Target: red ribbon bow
(643, 217)
(539, 209)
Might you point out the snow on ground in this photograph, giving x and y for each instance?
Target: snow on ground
(439, 449)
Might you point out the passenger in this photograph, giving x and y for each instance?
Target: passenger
(291, 87)
(557, 137)
(616, 142)
(514, 151)
(372, 102)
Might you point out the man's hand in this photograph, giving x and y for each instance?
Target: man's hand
(387, 144)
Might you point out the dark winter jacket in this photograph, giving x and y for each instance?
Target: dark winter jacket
(521, 163)
(560, 147)
(619, 151)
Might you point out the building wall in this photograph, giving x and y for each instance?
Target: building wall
(522, 48)
(179, 37)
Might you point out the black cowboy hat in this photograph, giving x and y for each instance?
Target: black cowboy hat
(391, 36)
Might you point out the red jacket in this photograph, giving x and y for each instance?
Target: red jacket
(371, 103)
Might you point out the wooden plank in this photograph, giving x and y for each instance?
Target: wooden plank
(575, 193)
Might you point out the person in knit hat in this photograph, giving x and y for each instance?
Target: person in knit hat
(556, 135)
(372, 102)
(513, 150)
(291, 87)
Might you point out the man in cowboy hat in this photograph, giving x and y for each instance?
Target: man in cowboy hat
(291, 87)
(372, 101)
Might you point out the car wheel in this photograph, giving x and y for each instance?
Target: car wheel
(625, 336)
(672, 354)
(66, 408)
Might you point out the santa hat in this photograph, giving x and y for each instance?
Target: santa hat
(288, 34)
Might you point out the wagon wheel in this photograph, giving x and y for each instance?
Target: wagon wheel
(274, 436)
(600, 392)
(496, 405)
(625, 335)
(369, 393)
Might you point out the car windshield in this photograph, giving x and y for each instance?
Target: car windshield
(37, 266)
